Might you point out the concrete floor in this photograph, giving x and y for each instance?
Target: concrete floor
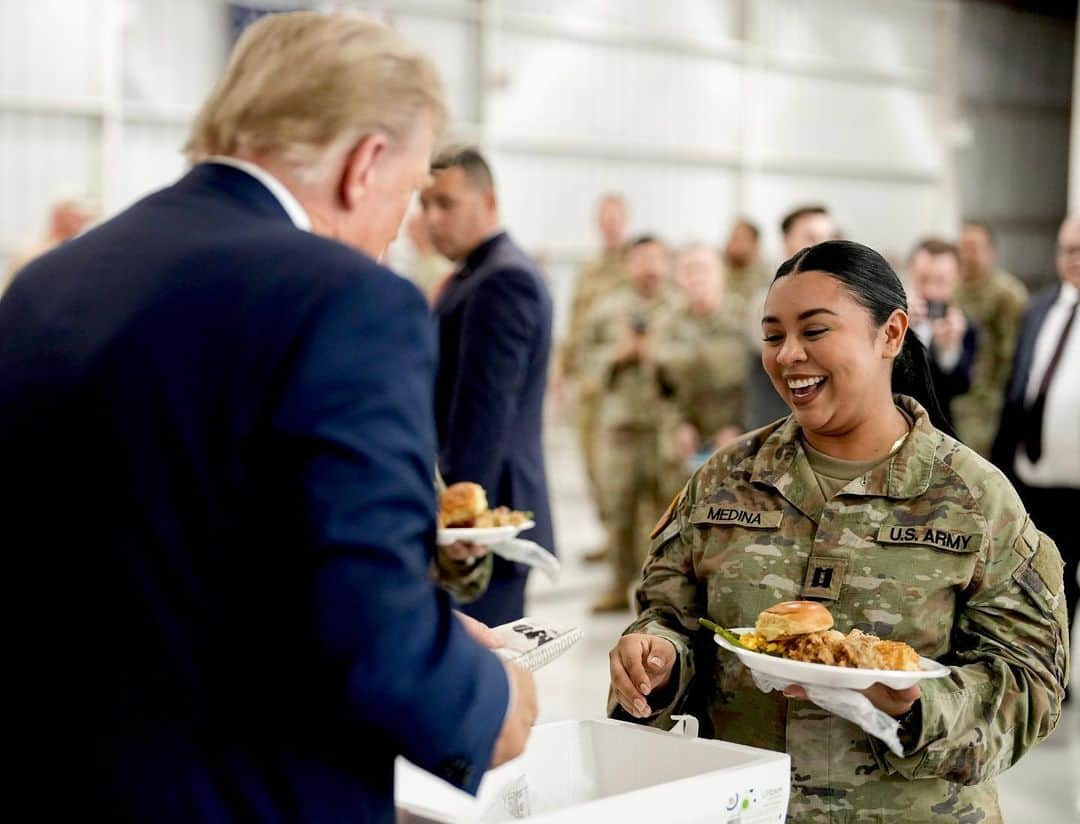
(1044, 788)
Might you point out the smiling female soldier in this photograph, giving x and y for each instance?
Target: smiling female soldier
(859, 500)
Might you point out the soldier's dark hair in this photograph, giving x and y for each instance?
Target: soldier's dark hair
(991, 235)
(642, 240)
(751, 227)
(470, 161)
(795, 215)
(874, 285)
(935, 246)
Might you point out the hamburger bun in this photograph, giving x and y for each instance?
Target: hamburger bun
(793, 618)
(461, 503)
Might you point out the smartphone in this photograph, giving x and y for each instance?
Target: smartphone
(936, 310)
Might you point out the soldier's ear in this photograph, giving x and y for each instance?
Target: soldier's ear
(893, 331)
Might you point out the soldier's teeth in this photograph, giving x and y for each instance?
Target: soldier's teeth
(804, 383)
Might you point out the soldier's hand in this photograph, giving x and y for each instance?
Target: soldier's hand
(479, 631)
(889, 701)
(520, 716)
(640, 664)
(464, 551)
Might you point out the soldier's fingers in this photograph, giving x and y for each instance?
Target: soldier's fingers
(629, 697)
(633, 659)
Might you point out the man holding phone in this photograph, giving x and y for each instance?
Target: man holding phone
(949, 336)
(627, 346)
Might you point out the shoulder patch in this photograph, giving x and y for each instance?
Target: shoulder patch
(668, 516)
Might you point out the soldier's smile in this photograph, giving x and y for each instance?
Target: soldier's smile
(803, 390)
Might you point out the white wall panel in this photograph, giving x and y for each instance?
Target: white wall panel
(173, 52)
(43, 157)
(454, 46)
(549, 203)
(152, 159)
(890, 218)
(885, 35)
(51, 48)
(816, 120)
(567, 90)
(702, 21)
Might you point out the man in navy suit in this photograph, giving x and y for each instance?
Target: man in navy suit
(217, 406)
(494, 317)
(1038, 440)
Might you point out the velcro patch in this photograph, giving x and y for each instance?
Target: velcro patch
(930, 536)
(724, 515)
(824, 578)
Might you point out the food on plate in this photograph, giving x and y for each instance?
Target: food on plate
(802, 631)
(792, 618)
(464, 505)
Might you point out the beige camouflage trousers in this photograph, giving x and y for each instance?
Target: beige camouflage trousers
(629, 476)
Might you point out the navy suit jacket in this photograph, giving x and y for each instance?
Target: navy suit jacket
(494, 319)
(949, 385)
(1010, 428)
(222, 434)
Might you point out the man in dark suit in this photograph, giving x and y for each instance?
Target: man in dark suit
(221, 428)
(1038, 440)
(949, 335)
(494, 317)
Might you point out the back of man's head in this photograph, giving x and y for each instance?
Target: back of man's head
(470, 161)
(303, 88)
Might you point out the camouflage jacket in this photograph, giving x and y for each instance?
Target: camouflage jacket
(598, 279)
(996, 304)
(932, 547)
(634, 394)
(709, 378)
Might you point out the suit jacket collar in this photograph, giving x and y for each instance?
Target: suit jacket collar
(470, 275)
(237, 185)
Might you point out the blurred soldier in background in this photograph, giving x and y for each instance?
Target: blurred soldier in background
(994, 299)
(745, 274)
(425, 266)
(710, 368)
(947, 333)
(625, 341)
(599, 278)
(802, 227)
(68, 217)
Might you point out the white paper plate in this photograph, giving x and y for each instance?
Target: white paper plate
(485, 537)
(824, 675)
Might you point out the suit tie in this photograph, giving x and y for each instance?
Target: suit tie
(1033, 418)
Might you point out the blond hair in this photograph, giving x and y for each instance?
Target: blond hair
(304, 87)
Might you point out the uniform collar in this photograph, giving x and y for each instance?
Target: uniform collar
(781, 463)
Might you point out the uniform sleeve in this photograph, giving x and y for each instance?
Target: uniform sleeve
(668, 607)
(1009, 668)
(499, 334)
(355, 415)
(464, 583)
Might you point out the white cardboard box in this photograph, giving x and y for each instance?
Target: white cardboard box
(600, 771)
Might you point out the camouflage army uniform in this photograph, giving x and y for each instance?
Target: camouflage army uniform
(746, 281)
(633, 402)
(933, 547)
(598, 279)
(708, 380)
(996, 304)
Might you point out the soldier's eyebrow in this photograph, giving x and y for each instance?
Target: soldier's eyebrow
(809, 313)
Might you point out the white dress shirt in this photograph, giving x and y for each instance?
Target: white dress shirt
(1059, 464)
(297, 214)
